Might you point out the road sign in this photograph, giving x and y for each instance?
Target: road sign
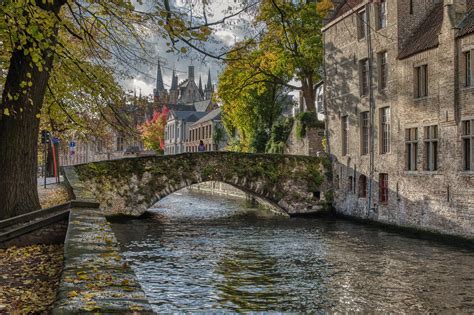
(55, 140)
(72, 144)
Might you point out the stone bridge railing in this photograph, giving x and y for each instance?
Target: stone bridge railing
(295, 184)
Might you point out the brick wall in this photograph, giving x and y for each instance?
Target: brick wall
(441, 200)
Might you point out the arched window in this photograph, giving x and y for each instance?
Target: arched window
(362, 186)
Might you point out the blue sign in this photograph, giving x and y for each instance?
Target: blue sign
(72, 144)
(55, 140)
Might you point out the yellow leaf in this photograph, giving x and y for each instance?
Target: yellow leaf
(72, 294)
(6, 112)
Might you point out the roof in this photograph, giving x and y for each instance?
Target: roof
(467, 25)
(201, 106)
(189, 116)
(343, 7)
(213, 115)
(182, 107)
(425, 35)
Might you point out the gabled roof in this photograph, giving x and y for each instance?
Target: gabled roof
(467, 25)
(213, 115)
(201, 106)
(425, 35)
(188, 116)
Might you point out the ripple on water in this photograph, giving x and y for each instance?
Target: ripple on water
(207, 253)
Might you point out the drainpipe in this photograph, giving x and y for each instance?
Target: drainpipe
(371, 109)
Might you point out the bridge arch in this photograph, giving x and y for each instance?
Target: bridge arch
(130, 186)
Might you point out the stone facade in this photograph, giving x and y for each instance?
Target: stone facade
(177, 129)
(295, 184)
(380, 173)
(205, 130)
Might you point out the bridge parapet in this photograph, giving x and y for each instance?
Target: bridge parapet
(296, 184)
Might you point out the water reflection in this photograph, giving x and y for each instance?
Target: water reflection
(248, 280)
(205, 253)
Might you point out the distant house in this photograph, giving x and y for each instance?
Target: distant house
(301, 106)
(209, 130)
(177, 128)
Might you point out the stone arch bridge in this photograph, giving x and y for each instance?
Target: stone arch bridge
(129, 186)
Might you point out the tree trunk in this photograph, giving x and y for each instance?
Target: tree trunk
(19, 127)
(309, 94)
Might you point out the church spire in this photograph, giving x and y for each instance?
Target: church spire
(209, 82)
(174, 81)
(159, 80)
(200, 86)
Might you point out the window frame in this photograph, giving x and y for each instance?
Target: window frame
(382, 66)
(431, 154)
(345, 135)
(468, 68)
(383, 188)
(411, 149)
(384, 127)
(361, 24)
(382, 15)
(364, 81)
(467, 138)
(362, 186)
(364, 133)
(421, 81)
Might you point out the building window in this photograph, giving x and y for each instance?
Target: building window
(468, 140)
(383, 70)
(361, 24)
(431, 148)
(411, 6)
(384, 130)
(350, 183)
(119, 143)
(383, 188)
(364, 133)
(467, 68)
(411, 152)
(364, 77)
(421, 81)
(345, 135)
(382, 14)
(362, 186)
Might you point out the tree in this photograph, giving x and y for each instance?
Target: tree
(251, 100)
(37, 35)
(153, 131)
(293, 32)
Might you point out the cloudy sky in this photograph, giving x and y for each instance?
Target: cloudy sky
(224, 36)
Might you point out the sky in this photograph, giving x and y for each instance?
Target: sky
(224, 36)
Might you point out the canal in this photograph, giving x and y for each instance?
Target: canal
(201, 253)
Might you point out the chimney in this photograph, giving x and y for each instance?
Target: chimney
(191, 73)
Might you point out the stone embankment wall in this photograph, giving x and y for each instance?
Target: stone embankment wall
(223, 189)
(310, 144)
(95, 277)
(218, 188)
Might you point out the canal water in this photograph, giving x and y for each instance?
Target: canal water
(202, 253)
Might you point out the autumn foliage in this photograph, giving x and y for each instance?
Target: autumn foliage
(153, 131)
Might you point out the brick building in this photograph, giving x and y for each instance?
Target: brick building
(399, 96)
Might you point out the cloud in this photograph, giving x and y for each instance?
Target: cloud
(224, 37)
